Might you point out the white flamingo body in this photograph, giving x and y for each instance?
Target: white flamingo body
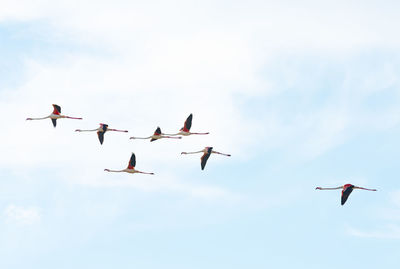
(101, 131)
(131, 167)
(206, 154)
(157, 135)
(185, 130)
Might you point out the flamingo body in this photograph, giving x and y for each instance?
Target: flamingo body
(101, 131)
(158, 134)
(347, 189)
(185, 130)
(131, 167)
(206, 154)
(55, 115)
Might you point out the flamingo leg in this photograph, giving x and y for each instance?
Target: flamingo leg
(144, 172)
(164, 136)
(221, 153)
(361, 188)
(200, 133)
(115, 130)
(68, 117)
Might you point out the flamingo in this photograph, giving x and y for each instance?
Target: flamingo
(346, 190)
(207, 152)
(185, 130)
(157, 135)
(131, 167)
(101, 131)
(55, 115)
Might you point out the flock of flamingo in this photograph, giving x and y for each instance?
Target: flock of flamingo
(184, 131)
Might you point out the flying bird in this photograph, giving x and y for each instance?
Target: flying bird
(101, 131)
(157, 135)
(185, 130)
(55, 115)
(346, 190)
(206, 154)
(131, 167)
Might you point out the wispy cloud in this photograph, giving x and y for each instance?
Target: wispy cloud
(389, 218)
(22, 215)
(387, 232)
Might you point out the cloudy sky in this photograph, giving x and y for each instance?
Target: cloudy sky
(301, 94)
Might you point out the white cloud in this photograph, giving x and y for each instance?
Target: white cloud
(389, 218)
(150, 64)
(22, 215)
(388, 232)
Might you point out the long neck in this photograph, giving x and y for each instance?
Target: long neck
(192, 152)
(115, 171)
(319, 188)
(172, 134)
(134, 137)
(79, 130)
(38, 118)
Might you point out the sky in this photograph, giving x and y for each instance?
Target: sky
(301, 94)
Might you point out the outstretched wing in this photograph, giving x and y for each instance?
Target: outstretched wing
(132, 162)
(156, 132)
(57, 109)
(54, 122)
(205, 157)
(346, 193)
(101, 137)
(188, 123)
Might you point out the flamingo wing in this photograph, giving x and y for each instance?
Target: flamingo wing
(205, 157)
(101, 136)
(57, 109)
(347, 189)
(156, 132)
(54, 122)
(132, 161)
(104, 127)
(188, 123)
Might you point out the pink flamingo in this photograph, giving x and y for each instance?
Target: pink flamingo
(131, 167)
(157, 135)
(101, 131)
(346, 190)
(55, 115)
(207, 152)
(185, 130)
